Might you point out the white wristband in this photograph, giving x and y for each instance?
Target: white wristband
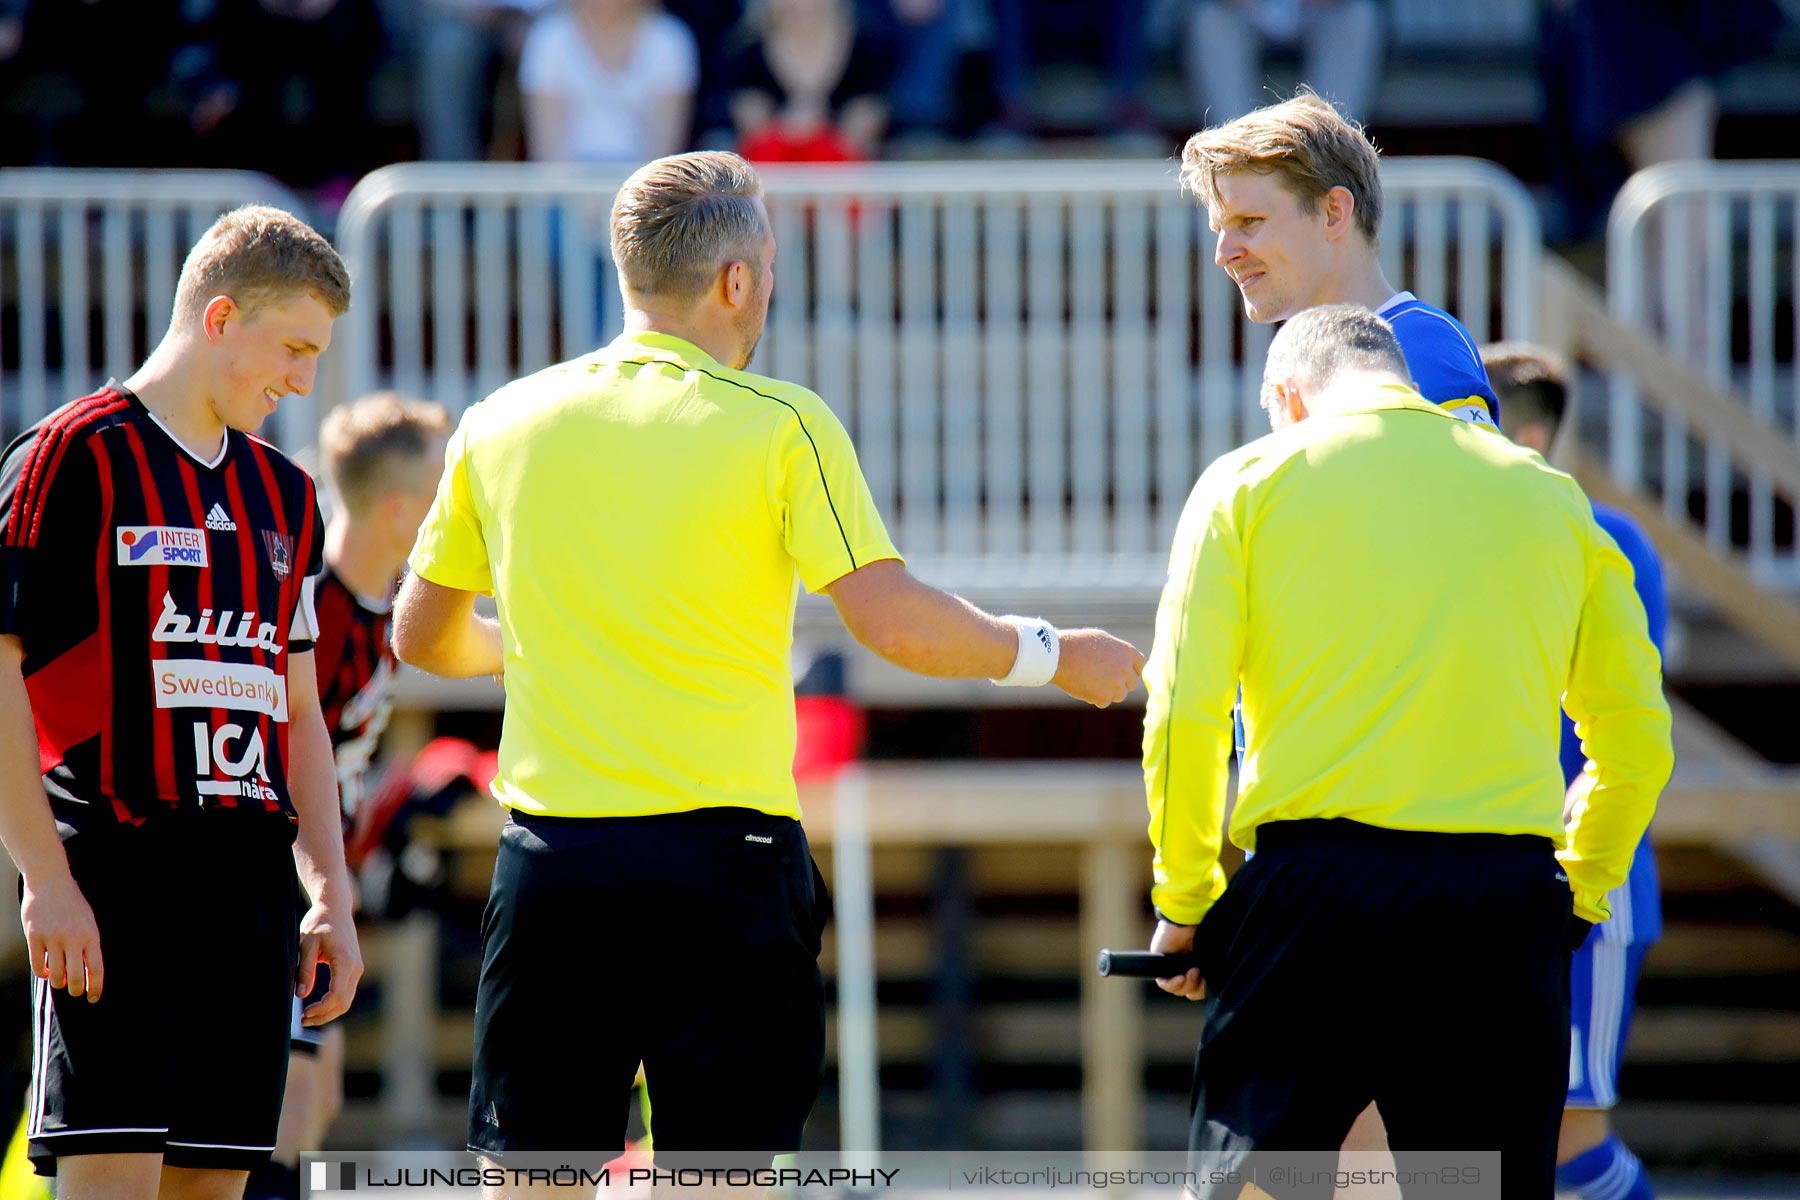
(1040, 649)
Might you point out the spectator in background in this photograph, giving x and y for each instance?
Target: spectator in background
(805, 86)
(302, 114)
(94, 101)
(608, 81)
(15, 125)
(929, 37)
(714, 24)
(1628, 84)
(459, 44)
(12, 29)
(1121, 34)
(1340, 44)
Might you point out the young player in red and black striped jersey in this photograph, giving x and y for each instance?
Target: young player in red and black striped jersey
(156, 634)
(382, 456)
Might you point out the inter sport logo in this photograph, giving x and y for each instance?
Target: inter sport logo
(161, 546)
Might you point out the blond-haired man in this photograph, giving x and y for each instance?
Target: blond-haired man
(1293, 193)
(156, 628)
(383, 455)
(640, 514)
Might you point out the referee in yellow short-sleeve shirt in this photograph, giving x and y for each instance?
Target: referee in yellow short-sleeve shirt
(1405, 599)
(640, 516)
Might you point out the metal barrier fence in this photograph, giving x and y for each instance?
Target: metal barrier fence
(1695, 254)
(88, 263)
(1035, 359)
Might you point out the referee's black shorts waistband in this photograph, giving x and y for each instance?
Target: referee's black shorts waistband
(718, 814)
(1316, 832)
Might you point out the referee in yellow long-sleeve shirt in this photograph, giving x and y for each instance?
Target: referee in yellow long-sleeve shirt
(1405, 599)
(642, 516)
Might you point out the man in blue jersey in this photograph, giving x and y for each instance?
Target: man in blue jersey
(1293, 192)
(1591, 1161)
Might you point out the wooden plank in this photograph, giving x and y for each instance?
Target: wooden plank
(914, 806)
(1702, 745)
(1772, 618)
(970, 803)
(1665, 381)
(1034, 1033)
(1017, 947)
(1714, 1037)
(1726, 814)
(1046, 1034)
(1714, 949)
(1112, 1051)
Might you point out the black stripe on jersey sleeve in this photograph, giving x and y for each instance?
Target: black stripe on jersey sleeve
(824, 479)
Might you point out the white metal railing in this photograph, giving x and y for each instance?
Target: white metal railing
(89, 259)
(1695, 254)
(1035, 359)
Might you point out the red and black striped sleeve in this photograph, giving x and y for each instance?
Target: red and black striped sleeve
(51, 519)
(336, 610)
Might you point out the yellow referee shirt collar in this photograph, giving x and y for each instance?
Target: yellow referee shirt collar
(1375, 398)
(664, 347)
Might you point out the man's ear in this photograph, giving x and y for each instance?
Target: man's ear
(392, 507)
(1340, 212)
(1291, 402)
(1533, 436)
(218, 313)
(738, 284)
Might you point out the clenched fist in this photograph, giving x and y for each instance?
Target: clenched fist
(1097, 667)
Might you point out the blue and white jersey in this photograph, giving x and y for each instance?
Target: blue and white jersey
(1636, 904)
(1445, 365)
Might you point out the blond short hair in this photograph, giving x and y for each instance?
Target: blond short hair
(255, 255)
(368, 442)
(1304, 141)
(677, 220)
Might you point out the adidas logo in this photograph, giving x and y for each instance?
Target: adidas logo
(220, 521)
(491, 1116)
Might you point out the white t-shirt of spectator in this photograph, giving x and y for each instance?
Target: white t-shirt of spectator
(608, 112)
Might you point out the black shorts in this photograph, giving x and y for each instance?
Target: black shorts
(688, 942)
(185, 1053)
(1427, 972)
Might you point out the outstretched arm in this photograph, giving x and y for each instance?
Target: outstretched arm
(916, 626)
